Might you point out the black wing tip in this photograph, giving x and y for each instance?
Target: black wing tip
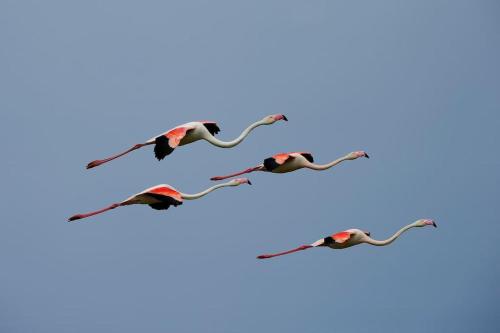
(165, 201)
(309, 157)
(160, 157)
(162, 148)
(212, 128)
(270, 164)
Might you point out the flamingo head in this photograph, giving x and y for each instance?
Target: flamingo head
(274, 118)
(357, 154)
(425, 222)
(239, 181)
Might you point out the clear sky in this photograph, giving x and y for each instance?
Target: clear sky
(415, 84)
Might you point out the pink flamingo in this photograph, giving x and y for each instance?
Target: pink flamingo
(288, 162)
(161, 197)
(187, 133)
(352, 237)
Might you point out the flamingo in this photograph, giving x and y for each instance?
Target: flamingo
(181, 135)
(351, 237)
(161, 197)
(287, 162)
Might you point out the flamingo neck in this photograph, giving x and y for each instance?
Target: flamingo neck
(389, 240)
(228, 144)
(203, 193)
(325, 166)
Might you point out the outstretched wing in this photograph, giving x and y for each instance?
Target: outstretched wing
(166, 143)
(272, 163)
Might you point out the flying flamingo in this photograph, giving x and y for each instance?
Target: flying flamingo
(161, 197)
(287, 162)
(190, 132)
(352, 237)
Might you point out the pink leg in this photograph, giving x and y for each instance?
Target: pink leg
(82, 216)
(95, 163)
(257, 168)
(300, 248)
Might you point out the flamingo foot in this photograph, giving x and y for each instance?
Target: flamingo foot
(75, 217)
(265, 256)
(95, 163)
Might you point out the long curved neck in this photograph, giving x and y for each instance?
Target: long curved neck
(325, 166)
(203, 193)
(228, 144)
(390, 239)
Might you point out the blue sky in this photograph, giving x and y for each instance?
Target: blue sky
(415, 84)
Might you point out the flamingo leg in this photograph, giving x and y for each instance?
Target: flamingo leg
(300, 248)
(82, 216)
(96, 163)
(257, 168)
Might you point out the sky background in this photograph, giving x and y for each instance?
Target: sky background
(415, 84)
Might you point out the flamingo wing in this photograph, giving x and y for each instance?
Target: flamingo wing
(308, 156)
(341, 237)
(211, 127)
(161, 197)
(272, 163)
(166, 143)
(164, 202)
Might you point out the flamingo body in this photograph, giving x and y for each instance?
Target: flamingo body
(287, 162)
(344, 239)
(157, 197)
(165, 143)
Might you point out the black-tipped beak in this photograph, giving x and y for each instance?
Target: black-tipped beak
(285, 118)
(366, 155)
(434, 224)
(249, 183)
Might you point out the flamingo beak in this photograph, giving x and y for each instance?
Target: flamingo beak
(249, 182)
(431, 222)
(280, 117)
(366, 155)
